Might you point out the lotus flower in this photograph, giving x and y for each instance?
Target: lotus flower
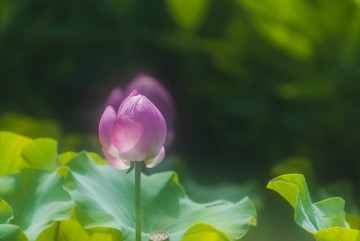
(155, 92)
(137, 132)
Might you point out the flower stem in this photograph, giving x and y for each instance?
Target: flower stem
(137, 201)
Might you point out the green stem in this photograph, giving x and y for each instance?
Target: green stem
(137, 201)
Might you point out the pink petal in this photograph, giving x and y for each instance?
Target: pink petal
(129, 101)
(156, 93)
(106, 124)
(115, 98)
(116, 162)
(126, 133)
(141, 109)
(153, 162)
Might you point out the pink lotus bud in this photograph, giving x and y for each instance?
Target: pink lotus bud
(157, 94)
(115, 98)
(136, 133)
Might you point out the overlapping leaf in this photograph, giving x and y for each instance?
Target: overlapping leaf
(324, 219)
(11, 146)
(18, 152)
(71, 230)
(104, 197)
(36, 199)
(11, 232)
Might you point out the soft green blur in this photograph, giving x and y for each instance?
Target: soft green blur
(255, 81)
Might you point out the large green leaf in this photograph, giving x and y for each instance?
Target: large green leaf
(36, 198)
(319, 218)
(104, 197)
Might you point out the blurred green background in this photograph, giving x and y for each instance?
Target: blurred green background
(255, 81)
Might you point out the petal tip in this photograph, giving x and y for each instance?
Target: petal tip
(134, 92)
(155, 161)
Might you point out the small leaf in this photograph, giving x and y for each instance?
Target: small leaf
(324, 219)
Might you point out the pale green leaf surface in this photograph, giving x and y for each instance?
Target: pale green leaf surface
(188, 13)
(324, 219)
(330, 213)
(11, 232)
(11, 145)
(104, 197)
(36, 198)
(41, 154)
